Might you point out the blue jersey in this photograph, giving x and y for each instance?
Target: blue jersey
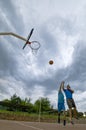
(60, 97)
(68, 93)
(61, 106)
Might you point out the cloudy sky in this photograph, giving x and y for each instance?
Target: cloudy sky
(60, 27)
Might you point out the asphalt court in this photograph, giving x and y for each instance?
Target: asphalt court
(21, 125)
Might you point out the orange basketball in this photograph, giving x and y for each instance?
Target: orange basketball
(51, 62)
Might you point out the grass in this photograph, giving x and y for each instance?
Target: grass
(25, 116)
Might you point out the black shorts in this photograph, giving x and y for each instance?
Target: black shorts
(71, 103)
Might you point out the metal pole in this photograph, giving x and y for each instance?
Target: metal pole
(40, 110)
(13, 34)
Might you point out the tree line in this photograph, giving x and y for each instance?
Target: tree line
(15, 103)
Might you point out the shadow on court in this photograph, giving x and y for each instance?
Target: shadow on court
(21, 125)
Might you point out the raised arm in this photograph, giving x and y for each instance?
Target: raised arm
(62, 85)
(71, 90)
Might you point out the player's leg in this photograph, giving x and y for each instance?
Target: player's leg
(59, 117)
(64, 118)
(75, 113)
(70, 113)
(69, 102)
(59, 111)
(75, 110)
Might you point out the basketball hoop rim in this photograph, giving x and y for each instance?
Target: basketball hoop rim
(35, 48)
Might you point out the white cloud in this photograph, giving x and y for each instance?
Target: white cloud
(80, 100)
(10, 86)
(37, 92)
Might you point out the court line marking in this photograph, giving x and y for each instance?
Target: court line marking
(36, 128)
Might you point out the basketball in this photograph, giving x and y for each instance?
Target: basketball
(51, 62)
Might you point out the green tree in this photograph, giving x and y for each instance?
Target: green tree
(15, 99)
(43, 104)
(15, 102)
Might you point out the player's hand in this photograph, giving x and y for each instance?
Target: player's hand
(63, 82)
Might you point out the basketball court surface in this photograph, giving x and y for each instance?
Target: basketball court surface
(21, 125)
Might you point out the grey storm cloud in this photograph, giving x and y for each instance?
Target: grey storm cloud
(77, 70)
(3, 89)
(7, 61)
(12, 15)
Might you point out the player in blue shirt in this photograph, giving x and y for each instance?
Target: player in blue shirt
(70, 101)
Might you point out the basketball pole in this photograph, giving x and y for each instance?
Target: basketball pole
(40, 110)
(13, 34)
